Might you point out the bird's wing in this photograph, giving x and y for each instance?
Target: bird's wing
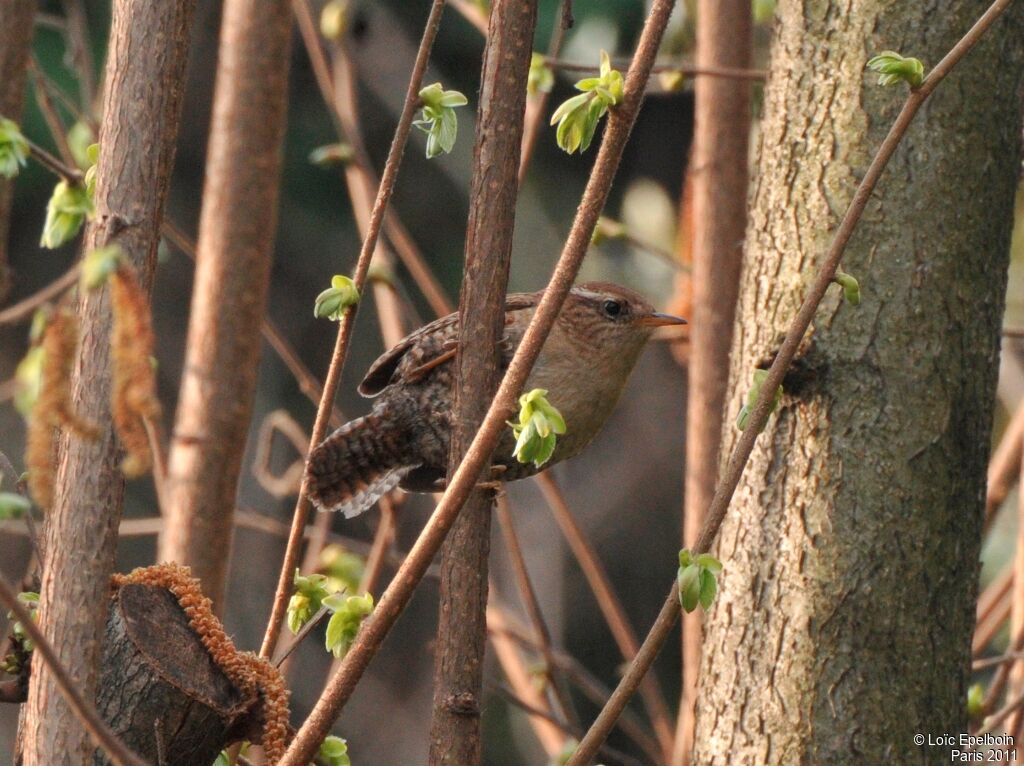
(427, 348)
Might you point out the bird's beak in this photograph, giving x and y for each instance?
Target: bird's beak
(657, 319)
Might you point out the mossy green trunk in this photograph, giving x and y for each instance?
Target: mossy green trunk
(851, 549)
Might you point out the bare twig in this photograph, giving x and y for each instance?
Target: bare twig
(387, 186)
(391, 604)
(536, 106)
(759, 416)
(84, 710)
(736, 73)
(608, 602)
(301, 635)
(1004, 466)
(26, 307)
(50, 114)
(308, 384)
(529, 597)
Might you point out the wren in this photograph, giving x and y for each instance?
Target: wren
(404, 441)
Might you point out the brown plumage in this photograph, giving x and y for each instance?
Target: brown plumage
(584, 364)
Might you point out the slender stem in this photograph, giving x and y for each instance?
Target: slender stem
(55, 165)
(398, 593)
(301, 635)
(536, 106)
(759, 416)
(608, 602)
(84, 710)
(529, 597)
(736, 73)
(50, 114)
(308, 383)
(24, 308)
(387, 186)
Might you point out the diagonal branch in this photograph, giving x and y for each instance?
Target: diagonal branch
(759, 416)
(387, 185)
(394, 599)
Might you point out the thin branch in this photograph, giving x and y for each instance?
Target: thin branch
(26, 307)
(613, 755)
(529, 597)
(1004, 466)
(993, 721)
(55, 165)
(609, 603)
(394, 599)
(536, 106)
(500, 623)
(387, 186)
(84, 710)
(308, 384)
(991, 662)
(50, 114)
(301, 635)
(735, 73)
(759, 416)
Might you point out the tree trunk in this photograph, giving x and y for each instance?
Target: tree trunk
(15, 46)
(145, 72)
(461, 634)
(236, 241)
(851, 553)
(718, 170)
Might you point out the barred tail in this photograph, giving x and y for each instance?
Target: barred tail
(355, 465)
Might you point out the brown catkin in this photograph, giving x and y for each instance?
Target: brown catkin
(133, 400)
(250, 673)
(53, 406)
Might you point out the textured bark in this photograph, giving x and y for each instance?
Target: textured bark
(145, 72)
(455, 725)
(851, 552)
(15, 46)
(236, 239)
(718, 171)
(158, 683)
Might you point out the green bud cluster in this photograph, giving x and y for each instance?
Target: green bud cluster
(577, 118)
(697, 580)
(438, 119)
(538, 428)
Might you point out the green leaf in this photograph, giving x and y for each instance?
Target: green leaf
(344, 623)
(752, 396)
(65, 213)
(708, 588)
(541, 78)
(334, 750)
(344, 569)
(976, 703)
(29, 376)
(894, 68)
(438, 119)
(851, 287)
(13, 506)
(685, 557)
(689, 587)
(80, 139)
(333, 302)
(309, 595)
(709, 562)
(99, 264)
(14, 149)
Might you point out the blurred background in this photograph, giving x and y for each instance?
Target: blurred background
(626, 490)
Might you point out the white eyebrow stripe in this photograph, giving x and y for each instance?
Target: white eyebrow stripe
(592, 295)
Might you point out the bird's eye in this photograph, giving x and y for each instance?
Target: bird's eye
(612, 308)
